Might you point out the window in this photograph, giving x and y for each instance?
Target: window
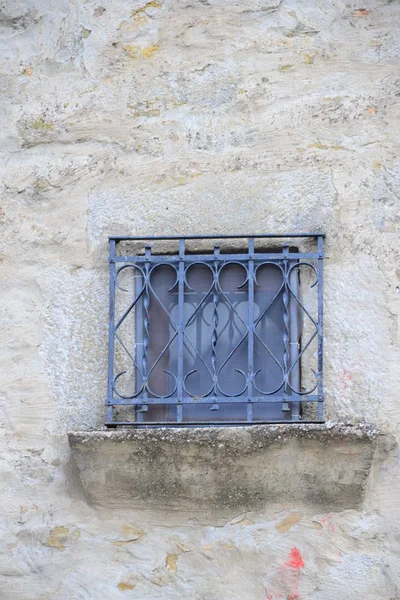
(217, 330)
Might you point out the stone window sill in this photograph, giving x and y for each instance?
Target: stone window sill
(240, 468)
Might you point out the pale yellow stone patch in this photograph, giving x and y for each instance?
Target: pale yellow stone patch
(149, 51)
(170, 561)
(132, 534)
(126, 586)
(140, 20)
(288, 522)
(144, 109)
(131, 530)
(150, 4)
(181, 547)
(135, 52)
(319, 146)
(59, 537)
(131, 50)
(139, 17)
(42, 124)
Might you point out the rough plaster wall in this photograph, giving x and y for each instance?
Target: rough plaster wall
(192, 116)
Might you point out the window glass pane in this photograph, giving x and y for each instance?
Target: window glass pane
(209, 311)
(268, 339)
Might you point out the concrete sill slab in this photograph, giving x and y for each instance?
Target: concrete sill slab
(241, 468)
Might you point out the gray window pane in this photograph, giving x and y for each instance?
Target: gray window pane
(226, 314)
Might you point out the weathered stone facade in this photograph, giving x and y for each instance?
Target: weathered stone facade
(182, 117)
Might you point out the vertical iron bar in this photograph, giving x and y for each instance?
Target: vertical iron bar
(320, 327)
(138, 340)
(214, 335)
(286, 317)
(294, 337)
(250, 328)
(111, 330)
(146, 325)
(181, 325)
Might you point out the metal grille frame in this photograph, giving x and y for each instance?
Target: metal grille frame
(249, 258)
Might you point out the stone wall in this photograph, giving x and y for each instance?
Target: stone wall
(182, 117)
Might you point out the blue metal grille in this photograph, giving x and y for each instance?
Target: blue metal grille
(227, 334)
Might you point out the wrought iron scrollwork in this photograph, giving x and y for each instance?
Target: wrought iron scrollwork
(216, 330)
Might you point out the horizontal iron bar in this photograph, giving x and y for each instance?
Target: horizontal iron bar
(189, 258)
(192, 424)
(121, 238)
(188, 400)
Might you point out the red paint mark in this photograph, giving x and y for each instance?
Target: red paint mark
(330, 524)
(327, 522)
(295, 560)
(344, 382)
(346, 378)
(284, 583)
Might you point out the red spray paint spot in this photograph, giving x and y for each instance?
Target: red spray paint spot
(295, 560)
(346, 378)
(284, 583)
